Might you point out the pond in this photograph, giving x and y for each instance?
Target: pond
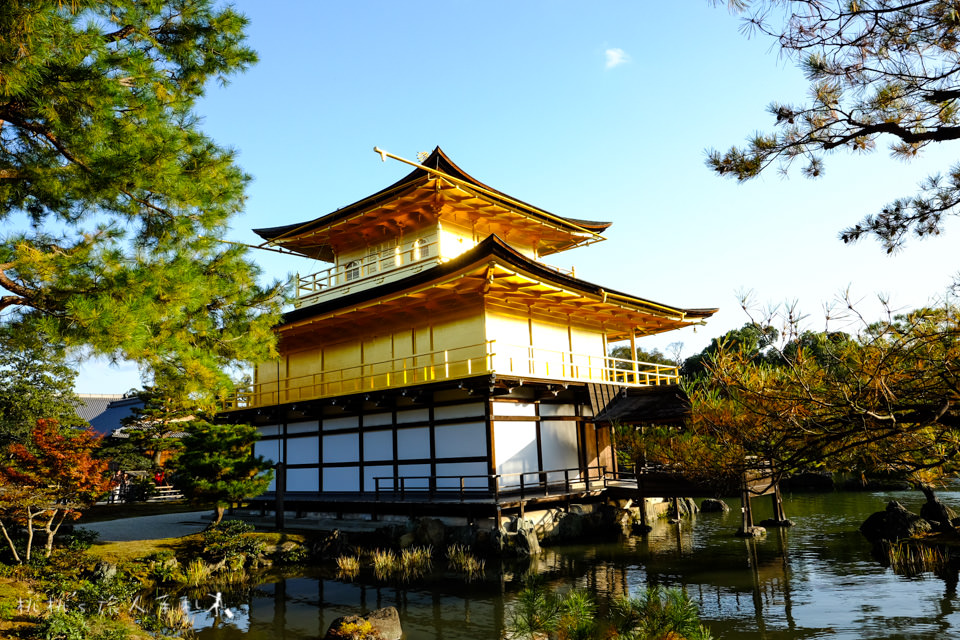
(814, 580)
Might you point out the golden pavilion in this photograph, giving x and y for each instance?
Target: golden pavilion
(440, 365)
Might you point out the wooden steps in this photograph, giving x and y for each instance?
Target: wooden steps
(165, 493)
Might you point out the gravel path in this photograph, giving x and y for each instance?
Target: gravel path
(168, 525)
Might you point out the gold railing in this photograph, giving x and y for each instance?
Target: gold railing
(450, 364)
(370, 265)
(564, 365)
(378, 264)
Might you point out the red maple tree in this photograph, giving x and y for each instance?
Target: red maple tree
(48, 480)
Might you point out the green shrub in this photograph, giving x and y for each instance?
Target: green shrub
(656, 614)
(106, 595)
(65, 625)
(82, 539)
(164, 567)
(659, 612)
(7, 609)
(229, 539)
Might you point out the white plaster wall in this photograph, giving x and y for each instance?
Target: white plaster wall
(461, 440)
(558, 409)
(413, 415)
(463, 469)
(515, 449)
(413, 443)
(558, 443)
(379, 471)
(347, 422)
(304, 450)
(303, 480)
(418, 475)
(512, 409)
(309, 426)
(268, 430)
(473, 410)
(377, 419)
(341, 448)
(378, 445)
(341, 479)
(269, 449)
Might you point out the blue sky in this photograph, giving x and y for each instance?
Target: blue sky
(596, 110)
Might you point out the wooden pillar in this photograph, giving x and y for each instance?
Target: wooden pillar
(745, 508)
(778, 513)
(281, 487)
(633, 356)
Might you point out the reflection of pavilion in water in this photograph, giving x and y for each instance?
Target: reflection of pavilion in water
(824, 585)
(304, 607)
(745, 575)
(299, 608)
(672, 555)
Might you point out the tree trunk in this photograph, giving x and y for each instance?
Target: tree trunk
(30, 517)
(13, 548)
(52, 530)
(218, 515)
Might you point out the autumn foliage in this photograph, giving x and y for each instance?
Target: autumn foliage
(885, 399)
(882, 400)
(47, 481)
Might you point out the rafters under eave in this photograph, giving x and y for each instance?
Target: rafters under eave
(484, 283)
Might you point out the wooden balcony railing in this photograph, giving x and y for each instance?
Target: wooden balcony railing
(371, 265)
(450, 364)
(499, 486)
(377, 264)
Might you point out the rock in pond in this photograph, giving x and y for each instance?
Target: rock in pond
(383, 623)
(770, 523)
(895, 523)
(712, 505)
(939, 515)
(527, 542)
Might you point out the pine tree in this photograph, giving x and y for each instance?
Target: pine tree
(150, 428)
(112, 200)
(879, 70)
(217, 464)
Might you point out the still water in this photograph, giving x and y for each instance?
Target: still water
(815, 580)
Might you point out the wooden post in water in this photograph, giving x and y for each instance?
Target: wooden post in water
(745, 508)
(778, 513)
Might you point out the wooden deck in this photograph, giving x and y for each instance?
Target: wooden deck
(487, 496)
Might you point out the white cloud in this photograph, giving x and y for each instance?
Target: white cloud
(616, 57)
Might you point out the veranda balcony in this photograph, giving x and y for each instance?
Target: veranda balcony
(374, 269)
(491, 357)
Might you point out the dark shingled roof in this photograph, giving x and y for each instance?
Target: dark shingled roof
(666, 404)
(105, 411)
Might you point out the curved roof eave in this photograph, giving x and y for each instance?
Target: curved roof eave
(493, 246)
(438, 160)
